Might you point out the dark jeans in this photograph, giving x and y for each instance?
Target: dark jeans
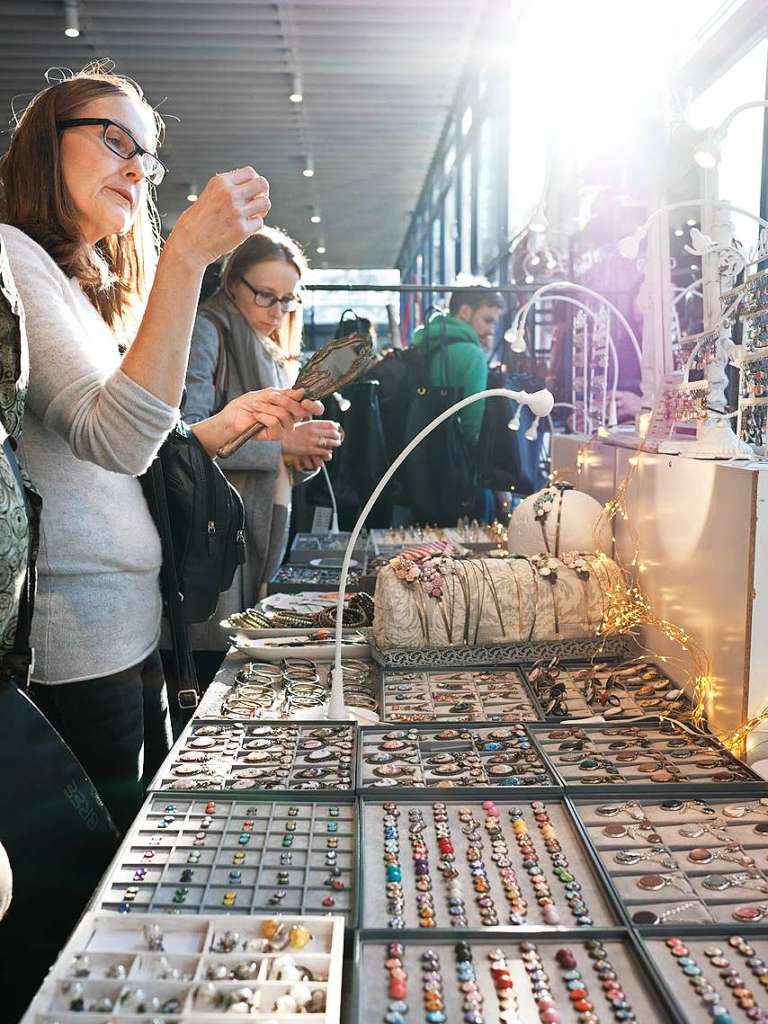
(117, 726)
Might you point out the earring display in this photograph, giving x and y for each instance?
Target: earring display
(507, 980)
(717, 980)
(662, 753)
(452, 757)
(194, 968)
(215, 856)
(308, 546)
(627, 689)
(292, 578)
(239, 757)
(498, 695)
(684, 859)
(475, 864)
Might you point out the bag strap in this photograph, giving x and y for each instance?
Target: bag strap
(18, 663)
(185, 682)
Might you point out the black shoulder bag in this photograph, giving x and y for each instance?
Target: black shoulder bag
(439, 479)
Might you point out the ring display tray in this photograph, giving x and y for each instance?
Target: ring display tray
(463, 756)
(703, 971)
(691, 859)
(545, 973)
(614, 690)
(238, 757)
(188, 855)
(308, 546)
(511, 654)
(657, 753)
(493, 695)
(178, 970)
(474, 863)
(291, 579)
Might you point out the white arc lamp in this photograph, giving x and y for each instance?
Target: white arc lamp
(707, 152)
(540, 403)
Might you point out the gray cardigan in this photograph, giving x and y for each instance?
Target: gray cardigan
(247, 365)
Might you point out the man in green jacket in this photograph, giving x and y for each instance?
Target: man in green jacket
(459, 342)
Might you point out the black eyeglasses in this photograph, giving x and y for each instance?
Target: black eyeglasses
(266, 300)
(119, 141)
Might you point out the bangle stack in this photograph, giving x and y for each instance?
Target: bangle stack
(573, 892)
(544, 898)
(394, 872)
(456, 907)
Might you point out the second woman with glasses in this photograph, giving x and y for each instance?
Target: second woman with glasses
(247, 336)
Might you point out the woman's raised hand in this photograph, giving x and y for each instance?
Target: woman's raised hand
(231, 208)
(277, 410)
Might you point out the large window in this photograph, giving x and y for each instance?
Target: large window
(466, 215)
(740, 169)
(451, 232)
(487, 223)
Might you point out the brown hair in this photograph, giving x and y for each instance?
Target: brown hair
(269, 244)
(115, 273)
(475, 297)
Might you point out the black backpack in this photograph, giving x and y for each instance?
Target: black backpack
(204, 536)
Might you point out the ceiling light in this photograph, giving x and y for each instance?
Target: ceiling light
(192, 195)
(309, 168)
(71, 19)
(707, 153)
(297, 94)
(315, 218)
(321, 250)
(679, 232)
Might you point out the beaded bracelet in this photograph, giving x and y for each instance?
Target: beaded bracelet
(397, 986)
(472, 997)
(456, 907)
(573, 889)
(432, 988)
(617, 999)
(544, 898)
(425, 903)
(518, 905)
(573, 980)
(393, 870)
(539, 980)
(707, 993)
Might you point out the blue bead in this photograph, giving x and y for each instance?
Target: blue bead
(436, 1017)
(395, 1018)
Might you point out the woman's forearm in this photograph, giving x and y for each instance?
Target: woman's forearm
(157, 359)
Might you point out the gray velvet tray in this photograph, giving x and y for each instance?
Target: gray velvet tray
(638, 982)
(374, 912)
(696, 894)
(180, 852)
(489, 695)
(232, 764)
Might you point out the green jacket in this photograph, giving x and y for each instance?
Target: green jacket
(461, 365)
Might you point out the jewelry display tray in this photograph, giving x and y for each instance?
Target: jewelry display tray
(602, 904)
(675, 984)
(511, 654)
(292, 579)
(111, 939)
(307, 546)
(712, 908)
(210, 704)
(162, 849)
(219, 780)
(488, 707)
(369, 737)
(651, 730)
(633, 966)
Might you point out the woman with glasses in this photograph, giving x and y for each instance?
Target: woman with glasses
(108, 325)
(246, 336)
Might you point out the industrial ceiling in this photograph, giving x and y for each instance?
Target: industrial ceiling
(377, 79)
